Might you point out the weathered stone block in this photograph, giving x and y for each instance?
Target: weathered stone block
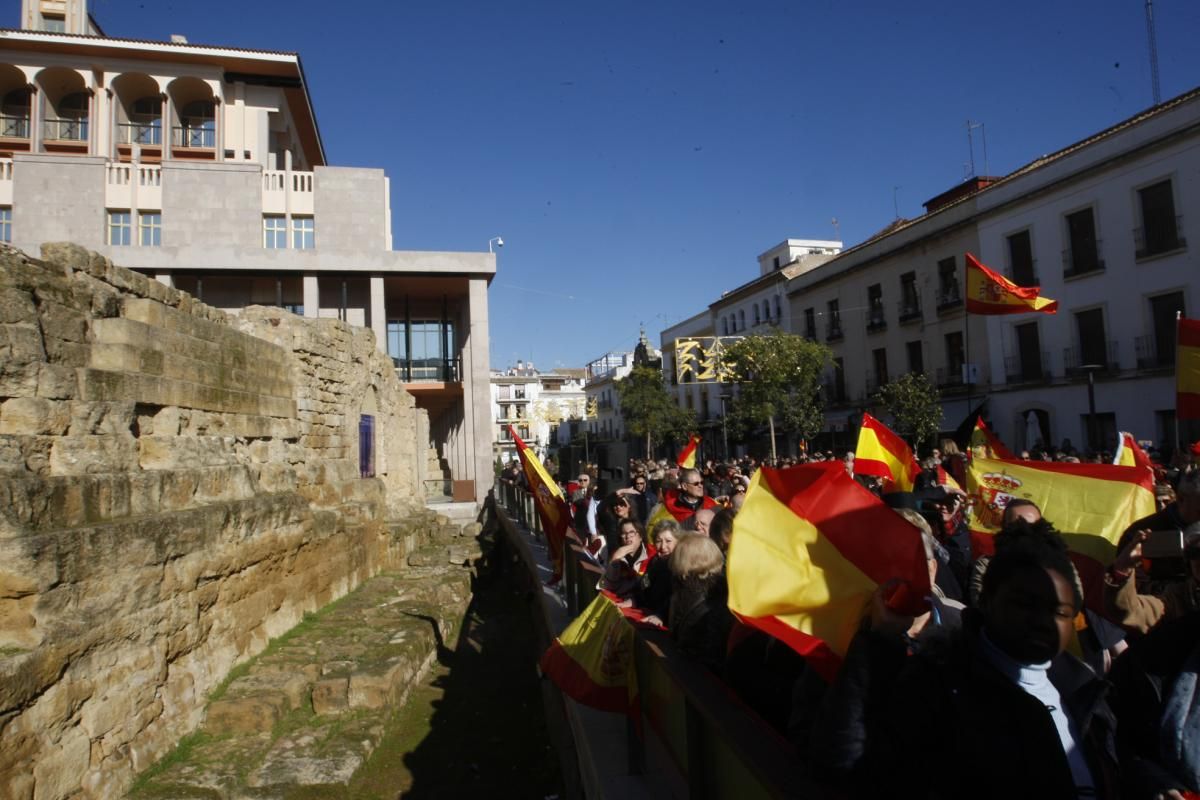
(58, 381)
(110, 418)
(331, 695)
(247, 714)
(90, 455)
(61, 322)
(34, 415)
(16, 306)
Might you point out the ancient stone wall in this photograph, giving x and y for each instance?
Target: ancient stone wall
(177, 486)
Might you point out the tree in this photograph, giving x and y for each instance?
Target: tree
(915, 406)
(649, 411)
(778, 377)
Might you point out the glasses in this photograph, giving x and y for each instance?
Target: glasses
(692, 483)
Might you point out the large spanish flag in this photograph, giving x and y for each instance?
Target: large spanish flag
(809, 548)
(882, 453)
(1187, 370)
(687, 456)
(989, 292)
(592, 659)
(1090, 504)
(986, 444)
(548, 498)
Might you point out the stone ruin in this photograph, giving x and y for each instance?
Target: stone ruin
(177, 486)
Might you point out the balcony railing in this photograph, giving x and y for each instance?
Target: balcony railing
(874, 383)
(1151, 356)
(810, 333)
(140, 133)
(1018, 370)
(910, 310)
(950, 377)
(833, 330)
(1025, 275)
(14, 127)
(197, 136)
(6, 169)
(429, 370)
(1082, 261)
(1163, 237)
(1075, 359)
(66, 130)
(835, 391)
(276, 180)
(949, 297)
(876, 321)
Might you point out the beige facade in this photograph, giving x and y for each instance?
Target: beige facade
(204, 167)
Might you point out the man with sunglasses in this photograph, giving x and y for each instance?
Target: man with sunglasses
(640, 497)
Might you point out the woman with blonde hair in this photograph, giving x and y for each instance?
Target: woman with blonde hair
(699, 620)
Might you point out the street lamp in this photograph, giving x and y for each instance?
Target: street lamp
(724, 429)
(1091, 373)
(497, 240)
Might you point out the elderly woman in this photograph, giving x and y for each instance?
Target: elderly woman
(699, 618)
(654, 594)
(628, 562)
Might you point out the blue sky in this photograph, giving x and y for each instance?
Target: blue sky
(637, 156)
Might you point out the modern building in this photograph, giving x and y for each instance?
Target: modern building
(1106, 226)
(204, 167)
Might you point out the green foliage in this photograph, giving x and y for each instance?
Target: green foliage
(649, 411)
(778, 377)
(915, 406)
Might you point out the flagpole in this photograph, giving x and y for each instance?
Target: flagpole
(966, 369)
(1178, 315)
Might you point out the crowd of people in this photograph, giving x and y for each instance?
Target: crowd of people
(1007, 687)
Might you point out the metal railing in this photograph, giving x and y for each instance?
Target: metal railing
(909, 310)
(141, 133)
(1151, 356)
(875, 320)
(200, 137)
(442, 371)
(950, 377)
(833, 330)
(835, 391)
(1075, 359)
(1026, 275)
(1018, 370)
(949, 297)
(65, 129)
(1163, 237)
(1081, 261)
(14, 127)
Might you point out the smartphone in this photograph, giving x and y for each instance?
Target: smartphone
(1163, 544)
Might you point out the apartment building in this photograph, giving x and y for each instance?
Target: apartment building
(540, 406)
(1106, 226)
(204, 167)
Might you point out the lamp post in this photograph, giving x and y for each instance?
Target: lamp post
(1091, 433)
(724, 429)
(497, 240)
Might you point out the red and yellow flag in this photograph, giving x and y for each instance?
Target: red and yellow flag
(985, 444)
(809, 548)
(1130, 454)
(592, 659)
(687, 456)
(1090, 504)
(882, 453)
(1187, 370)
(551, 505)
(989, 292)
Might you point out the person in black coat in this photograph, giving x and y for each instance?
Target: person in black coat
(699, 618)
(995, 710)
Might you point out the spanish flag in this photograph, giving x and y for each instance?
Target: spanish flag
(809, 548)
(1187, 370)
(882, 453)
(687, 456)
(987, 444)
(1130, 454)
(1090, 504)
(989, 292)
(592, 659)
(551, 505)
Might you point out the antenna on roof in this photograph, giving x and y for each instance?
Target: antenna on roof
(971, 126)
(1152, 40)
(896, 201)
(837, 231)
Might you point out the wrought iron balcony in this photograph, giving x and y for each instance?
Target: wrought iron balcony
(1081, 261)
(949, 296)
(833, 330)
(14, 127)
(141, 133)
(876, 321)
(1151, 356)
(909, 310)
(1163, 237)
(1075, 359)
(66, 129)
(1019, 370)
(201, 137)
(950, 377)
(1025, 275)
(835, 391)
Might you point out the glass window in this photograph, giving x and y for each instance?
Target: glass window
(303, 233)
(53, 23)
(395, 341)
(119, 228)
(5, 224)
(274, 232)
(150, 228)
